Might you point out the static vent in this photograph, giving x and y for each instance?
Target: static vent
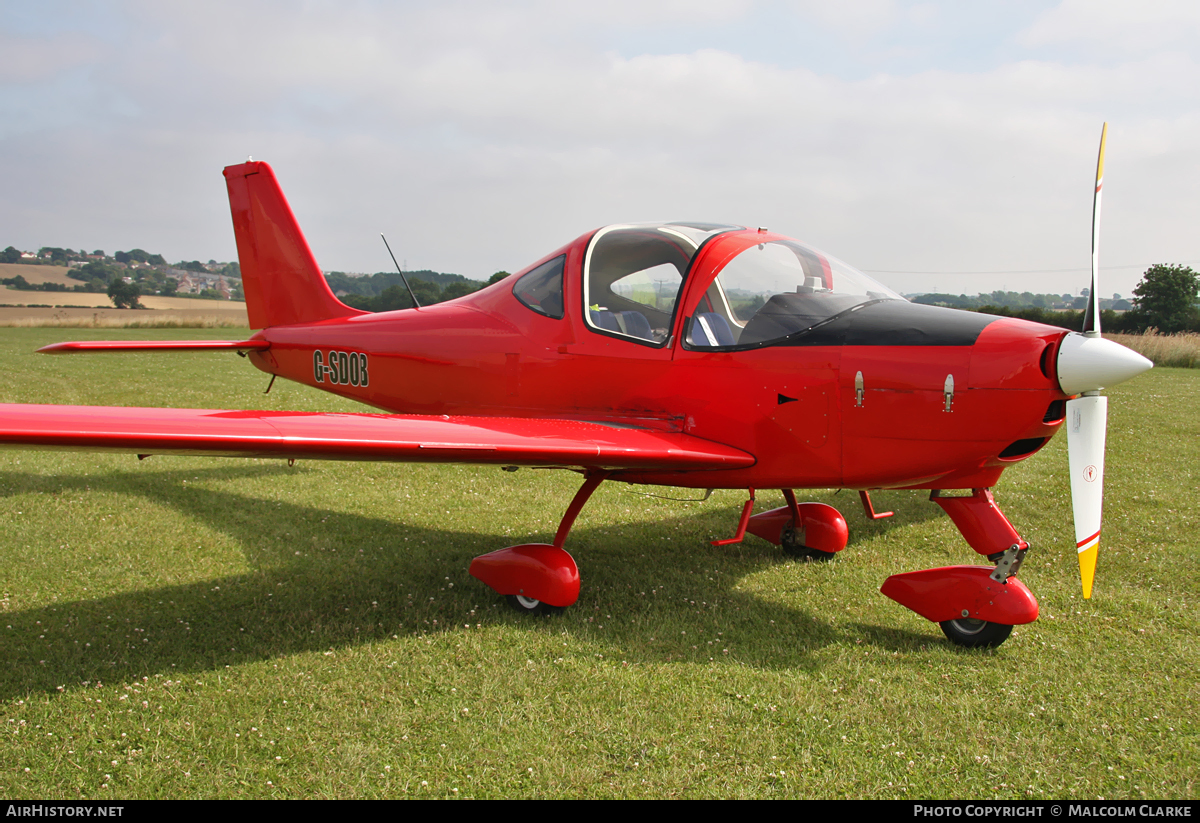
(1023, 448)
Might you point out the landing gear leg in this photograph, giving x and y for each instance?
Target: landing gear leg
(539, 578)
(976, 606)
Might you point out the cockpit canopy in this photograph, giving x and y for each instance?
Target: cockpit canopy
(635, 275)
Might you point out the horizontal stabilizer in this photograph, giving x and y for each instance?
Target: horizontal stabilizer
(386, 437)
(154, 345)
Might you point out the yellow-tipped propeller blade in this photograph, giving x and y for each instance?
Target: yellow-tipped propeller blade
(1087, 421)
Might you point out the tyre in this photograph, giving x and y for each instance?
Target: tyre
(793, 546)
(527, 605)
(973, 633)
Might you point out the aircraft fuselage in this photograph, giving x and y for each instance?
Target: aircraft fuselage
(889, 395)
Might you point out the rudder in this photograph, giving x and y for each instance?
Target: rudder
(283, 284)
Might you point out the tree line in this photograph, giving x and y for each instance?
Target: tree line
(57, 256)
(1021, 300)
(1166, 299)
(385, 291)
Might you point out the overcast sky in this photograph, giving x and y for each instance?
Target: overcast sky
(948, 139)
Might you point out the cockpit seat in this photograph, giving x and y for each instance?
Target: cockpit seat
(631, 323)
(636, 324)
(604, 319)
(710, 329)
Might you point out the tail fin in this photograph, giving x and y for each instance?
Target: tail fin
(280, 276)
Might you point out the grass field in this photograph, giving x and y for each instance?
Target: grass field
(1182, 349)
(74, 317)
(237, 628)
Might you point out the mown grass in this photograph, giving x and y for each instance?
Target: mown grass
(237, 628)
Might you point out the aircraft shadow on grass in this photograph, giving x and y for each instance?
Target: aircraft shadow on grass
(326, 579)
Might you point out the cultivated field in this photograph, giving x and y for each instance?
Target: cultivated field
(182, 627)
(83, 299)
(35, 275)
(14, 303)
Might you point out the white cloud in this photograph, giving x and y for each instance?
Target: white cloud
(1119, 26)
(480, 137)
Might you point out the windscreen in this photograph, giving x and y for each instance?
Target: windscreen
(774, 290)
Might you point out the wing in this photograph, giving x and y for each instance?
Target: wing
(402, 438)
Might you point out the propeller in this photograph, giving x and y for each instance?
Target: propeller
(1087, 363)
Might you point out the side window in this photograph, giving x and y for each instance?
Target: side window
(542, 288)
(633, 279)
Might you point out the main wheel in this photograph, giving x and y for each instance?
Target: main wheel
(793, 546)
(527, 605)
(975, 633)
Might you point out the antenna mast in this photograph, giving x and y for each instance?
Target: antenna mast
(402, 277)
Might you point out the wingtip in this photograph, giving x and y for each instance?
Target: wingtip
(55, 348)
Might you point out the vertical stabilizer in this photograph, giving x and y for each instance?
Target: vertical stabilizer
(280, 276)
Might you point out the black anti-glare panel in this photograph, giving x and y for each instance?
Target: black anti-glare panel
(896, 323)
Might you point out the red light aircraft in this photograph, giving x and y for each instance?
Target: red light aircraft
(696, 355)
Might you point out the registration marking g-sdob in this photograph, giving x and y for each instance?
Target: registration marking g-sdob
(340, 367)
